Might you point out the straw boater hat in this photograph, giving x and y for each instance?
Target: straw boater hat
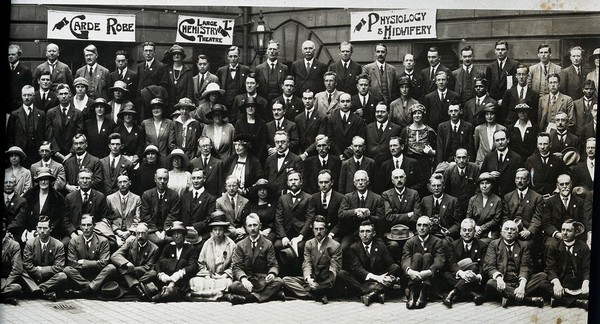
(17, 150)
(81, 81)
(570, 156)
(210, 88)
(594, 56)
(185, 103)
(177, 226)
(119, 85)
(217, 108)
(179, 152)
(102, 102)
(177, 49)
(399, 232)
(44, 173)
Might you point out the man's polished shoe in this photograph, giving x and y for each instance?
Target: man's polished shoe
(449, 298)
(367, 298)
(323, 299)
(9, 300)
(410, 301)
(478, 298)
(280, 296)
(140, 292)
(381, 298)
(422, 300)
(581, 303)
(507, 301)
(236, 299)
(554, 302)
(534, 301)
(51, 296)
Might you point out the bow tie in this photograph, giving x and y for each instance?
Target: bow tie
(233, 69)
(280, 156)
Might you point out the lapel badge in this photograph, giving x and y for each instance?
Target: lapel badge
(476, 252)
(376, 250)
(135, 134)
(516, 255)
(575, 254)
(145, 253)
(172, 255)
(425, 249)
(443, 206)
(527, 201)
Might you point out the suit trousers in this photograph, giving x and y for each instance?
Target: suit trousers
(450, 282)
(271, 289)
(134, 278)
(49, 283)
(421, 262)
(373, 286)
(10, 290)
(535, 282)
(92, 278)
(344, 286)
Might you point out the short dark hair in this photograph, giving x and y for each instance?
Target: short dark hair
(501, 42)
(553, 75)
(545, 46)
(467, 48)
(320, 219)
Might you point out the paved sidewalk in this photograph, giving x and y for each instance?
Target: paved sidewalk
(291, 311)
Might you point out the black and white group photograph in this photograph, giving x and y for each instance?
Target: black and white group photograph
(280, 162)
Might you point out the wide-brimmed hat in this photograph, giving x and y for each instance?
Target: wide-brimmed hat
(594, 56)
(250, 101)
(579, 228)
(404, 80)
(111, 291)
(287, 254)
(177, 49)
(217, 108)
(179, 152)
(17, 150)
(522, 107)
(466, 264)
(570, 156)
(486, 176)
(119, 85)
(151, 148)
(127, 110)
(399, 232)
(185, 103)
(192, 236)
(158, 102)
(581, 191)
(81, 80)
(44, 173)
(177, 226)
(210, 88)
(218, 218)
(261, 184)
(149, 289)
(416, 107)
(101, 102)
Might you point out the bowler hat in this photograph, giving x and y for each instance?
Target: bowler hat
(17, 150)
(81, 81)
(210, 88)
(179, 152)
(217, 108)
(177, 49)
(101, 102)
(185, 103)
(111, 291)
(218, 218)
(287, 254)
(44, 173)
(119, 85)
(570, 156)
(177, 226)
(399, 232)
(192, 236)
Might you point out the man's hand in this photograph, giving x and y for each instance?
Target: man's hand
(524, 234)
(414, 275)
(285, 241)
(73, 235)
(500, 284)
(71, 188)
(130, 267)
(80, 261)
(266, 231)
(311, 283)
(520, 292)
(270, 277)
(478, 231)
(160, 234)
(585, 288)
(425, 274)
(304, 156)
(558, 236)
(247, 284)
(558, 289)
(297, 239)
(359, 112)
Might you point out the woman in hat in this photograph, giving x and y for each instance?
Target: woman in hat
(420, 140)
(179, 76)
(220, 131)
(399, 108)
(119, 101)
(187, 129)
(484, 133)
(594, 61)
(132, 138)
(523, 134)
(252, 125)
(215, 275)
(211, 96)
(151, 160)
(159, 130)
(80, 100)
(263, 202)
(98, 127)
(179, 178)
(53, 206)
(21, 174)
(244, 166)
(485, 208)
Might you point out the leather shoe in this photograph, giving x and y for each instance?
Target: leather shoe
(554, 302)
(448, 299)
(324, 299)
(422, 300)
(140, 292)
(280, 296)
(236, 299)
(478, 298)
(9, 300)
(410, 302)
(534, 301)
(367, 298)
(50, 296)
(506, 302)
(581, 303)
(381, 298)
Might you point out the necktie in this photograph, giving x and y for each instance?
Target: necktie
(90, 71)
(324, 201)
(381, 70)
(323, 164)
(367, 251)
(196, 196)
(565, 202)
(436, 203)
(455, 129)
(272, 67)
(357, 164)
(364, 101)
(499, 68)
(123, 205)
(520, 196)
(7, 201)
(307, 67)
(344, 118)
(307, 115)
(545, 70)
(12, 67)
(571, 250)
(329, 98)
(44, 96)
(79, 161)
(201, 81)
(278, 124)
(64, 111)
(579, 72)
(397, 164)
(113, 166)
(432, 76)
(29, 110)
(442, 97)
(362, 201)
(233, 204)
(205, 162)
(86, 197)
(478, 101)
(52, 68)
(287, 103)
(521, 93)
(553, 99)
(380, 130)
(44, 251)
(280, 156)
(253, 245)
(147, 66)
(467, 248)
(501, 158)
(461, 172)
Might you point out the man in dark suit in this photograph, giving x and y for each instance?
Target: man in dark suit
(360, 205)
(114, 165)
(573, 76)
(323, 160)
(59, 71)
(357, 162)
(19, 75)
(327, 203)
(583, 172)
(254, 267)
(373, 269)
(561, 138)
(84, 201)
(428, 75)
(402, 206)
(82, 159)
(160, 207)
(15, 208)
(280, 123)
(94, 73)
(203, 78)
(416, 86)
(88, 261)
(507, 264)
(197, 205)
(293, 104)
(213, 167)
(504, 161)
(423, 259)
(308, 71)
(237, 110)
(363, 103)
(568, 268)
(271, 73)
(560, 207)
(26, 127)
(43, 262)
(45, 98)
(379, 134)
(135, 261)
(500, 73)
(343, 126)
(460, 179)
(311, 123)
(544, 167)
(452, 135)
(582, 107)
(12, 268)
(472, 109)
(522, 93)
(465, 259)
(466, 75)
(152, 71)
(63, 122)
(442, 209)
(346, 69)
(438, 101)
(281, 162)
(232, 77)
(384, 79)
(123, 73)
(414, 178)
(293, 217)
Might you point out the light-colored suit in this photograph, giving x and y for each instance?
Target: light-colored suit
(537, 78)
(125, 215)
(322, 103)
(98, 81)
(547, 111)
(391, 77)
(236, 216)
(482, 145)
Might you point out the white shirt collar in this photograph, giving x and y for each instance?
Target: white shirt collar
(384, 124)
(309, 61)
(198, 191)
(379, 64)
